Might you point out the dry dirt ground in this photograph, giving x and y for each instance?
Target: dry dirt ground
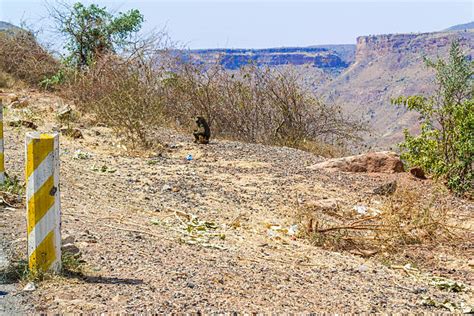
(126, 214)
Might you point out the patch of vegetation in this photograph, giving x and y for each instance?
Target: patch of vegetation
(93, 31)
(407, 218)
(13, 185)
(16, 271)
(260, 105)
(12, 191)
(134, 85)
(5, 80)
(71, 264)
(445, 146)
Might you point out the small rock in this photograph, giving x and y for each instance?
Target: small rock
(471, 263)
(175, 189)
(71, 249)
(420, 290)
(68, 239)
(72, 132)
(363, 268)
(30, 287)
(22, 123)
(417, 172)
(386, 189)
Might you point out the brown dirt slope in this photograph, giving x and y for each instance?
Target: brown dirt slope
(111, 200)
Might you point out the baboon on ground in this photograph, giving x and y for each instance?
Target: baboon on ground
(203, 132)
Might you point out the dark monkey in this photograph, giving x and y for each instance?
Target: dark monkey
(203, 133)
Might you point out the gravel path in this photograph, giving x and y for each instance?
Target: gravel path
(111, 201)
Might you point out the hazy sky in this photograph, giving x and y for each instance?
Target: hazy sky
(266, 23)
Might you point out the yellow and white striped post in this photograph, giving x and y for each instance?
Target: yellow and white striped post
(43, 201)
(2, 156)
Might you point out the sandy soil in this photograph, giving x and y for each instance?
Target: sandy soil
(126, 218)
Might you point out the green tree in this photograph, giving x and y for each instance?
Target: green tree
(445, 146)
(92, 31)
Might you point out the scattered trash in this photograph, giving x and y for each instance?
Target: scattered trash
(189, 157)
(30, 287)
(166, 187)
(81, 155)
(363, 268)
(277, 231)
(293, 230)
(364, 210)
(361, 209)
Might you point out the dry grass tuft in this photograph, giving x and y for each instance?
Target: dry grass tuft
(405, 219)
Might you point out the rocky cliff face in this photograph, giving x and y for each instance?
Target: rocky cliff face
(374, 46)
(388, 66)
(318, 57)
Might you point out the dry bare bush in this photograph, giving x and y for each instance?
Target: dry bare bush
(149, 86)
(5, 80)
(405, 219)
(124, 92)
(24, 58)
(258, 105)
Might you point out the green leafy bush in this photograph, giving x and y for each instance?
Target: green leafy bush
(445, 145)
(92, 31)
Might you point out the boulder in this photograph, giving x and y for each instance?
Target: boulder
(378, 162)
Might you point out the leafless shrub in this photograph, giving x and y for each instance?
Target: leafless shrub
(149, 85)
(403, 220)
(5, 80)
(24, 58)
(124, 92)
(258, 105)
